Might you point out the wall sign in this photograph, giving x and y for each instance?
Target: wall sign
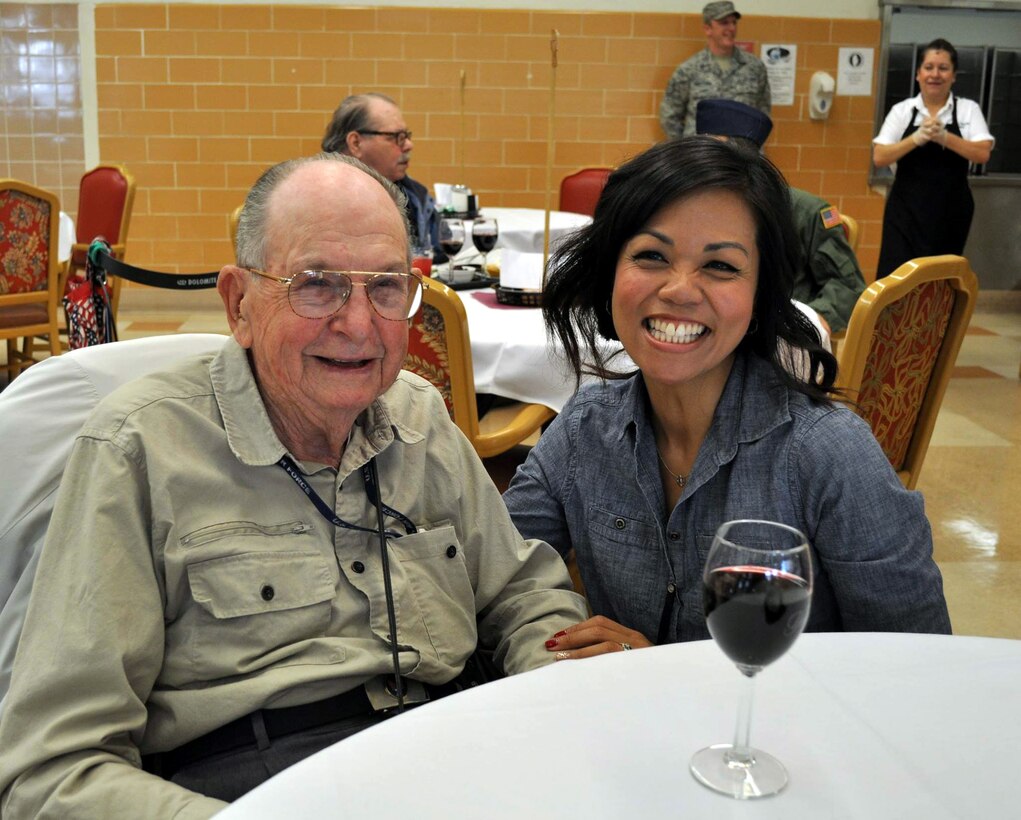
(854, 72)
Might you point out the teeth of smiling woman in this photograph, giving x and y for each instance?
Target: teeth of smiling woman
(680, 333)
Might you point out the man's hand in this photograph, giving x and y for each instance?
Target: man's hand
(596, 636)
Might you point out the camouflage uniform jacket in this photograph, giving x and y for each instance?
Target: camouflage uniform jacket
(827, 278)
(700, 78)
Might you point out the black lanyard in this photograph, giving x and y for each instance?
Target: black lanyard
(370, 490)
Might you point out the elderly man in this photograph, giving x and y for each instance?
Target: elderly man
(371, 127)
(827, 278)
(718, 70)
(212, 600)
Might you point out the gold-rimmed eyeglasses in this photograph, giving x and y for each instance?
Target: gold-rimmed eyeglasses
(316, 294)
(399, 137)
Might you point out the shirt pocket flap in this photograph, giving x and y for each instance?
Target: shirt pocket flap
(258, 582)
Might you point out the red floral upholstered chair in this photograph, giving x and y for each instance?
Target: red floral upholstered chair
(902, 342)
(439, 350)
(580, 191)
(29, 287)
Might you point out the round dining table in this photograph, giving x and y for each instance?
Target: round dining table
(524, 229)
(869, 725)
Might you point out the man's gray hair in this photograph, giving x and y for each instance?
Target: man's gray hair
(351, 115)
(251, 235)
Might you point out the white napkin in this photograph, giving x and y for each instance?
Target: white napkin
(443, 198)
(520, 270)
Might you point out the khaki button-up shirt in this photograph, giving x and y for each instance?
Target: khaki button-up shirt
(186, 581)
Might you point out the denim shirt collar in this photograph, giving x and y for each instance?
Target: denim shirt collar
(735, 421)
(250, 432)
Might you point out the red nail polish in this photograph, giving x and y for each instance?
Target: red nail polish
(551, 643)
(560, 633)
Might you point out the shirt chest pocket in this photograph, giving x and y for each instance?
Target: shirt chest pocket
(252, 610)
(433, 565)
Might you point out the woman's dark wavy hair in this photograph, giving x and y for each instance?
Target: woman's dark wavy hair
(576, 300)
(939, 44)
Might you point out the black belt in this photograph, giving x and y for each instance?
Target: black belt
(289, 720)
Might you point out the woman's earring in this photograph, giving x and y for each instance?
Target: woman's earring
(753, 327)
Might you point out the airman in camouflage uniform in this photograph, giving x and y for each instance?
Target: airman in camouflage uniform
(702, 76)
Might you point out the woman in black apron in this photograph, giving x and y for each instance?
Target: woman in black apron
(929, 209)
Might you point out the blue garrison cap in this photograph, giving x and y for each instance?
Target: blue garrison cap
(727, 118)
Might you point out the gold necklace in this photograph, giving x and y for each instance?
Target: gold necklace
(679, 479)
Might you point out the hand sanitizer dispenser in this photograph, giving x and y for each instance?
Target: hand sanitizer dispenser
(820, 95)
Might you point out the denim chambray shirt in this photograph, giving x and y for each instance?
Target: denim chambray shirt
(592, 484)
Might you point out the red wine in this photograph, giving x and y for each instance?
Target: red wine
(755, 613)
(484, 242)
(451, 249)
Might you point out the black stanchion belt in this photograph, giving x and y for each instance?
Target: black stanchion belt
(99, 253)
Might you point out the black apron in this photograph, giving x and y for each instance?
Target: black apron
(929, 209)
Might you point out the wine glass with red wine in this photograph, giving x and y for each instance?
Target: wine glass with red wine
(757, 591)
(484, 235)
(451, 236)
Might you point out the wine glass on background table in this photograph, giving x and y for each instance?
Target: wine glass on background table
(484, 234)
(451, 236)
(757, 591)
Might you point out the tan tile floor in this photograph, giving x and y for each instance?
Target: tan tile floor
(971, 478)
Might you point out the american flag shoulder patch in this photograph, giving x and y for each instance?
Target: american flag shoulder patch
(830, 217)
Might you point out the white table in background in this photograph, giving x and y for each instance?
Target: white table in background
(522, 229)
(869, 725)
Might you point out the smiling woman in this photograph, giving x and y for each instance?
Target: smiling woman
(689, 263)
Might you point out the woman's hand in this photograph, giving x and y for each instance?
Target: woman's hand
(596, 636)
(935, 130)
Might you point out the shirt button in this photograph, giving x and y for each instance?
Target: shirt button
(451, 551)
(267, 592)
(358, 567)
(620, 523)
(674, 536)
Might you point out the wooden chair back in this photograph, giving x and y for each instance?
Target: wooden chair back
(29, 271)
(439, 350)
(901, 345)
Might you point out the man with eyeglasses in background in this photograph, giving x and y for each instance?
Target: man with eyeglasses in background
(371, 127)
(213, 602)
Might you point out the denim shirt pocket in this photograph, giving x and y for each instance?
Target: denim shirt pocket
(432, 562)
(252, 610)
(623, 567)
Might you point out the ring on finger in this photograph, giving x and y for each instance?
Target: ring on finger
(626, 646)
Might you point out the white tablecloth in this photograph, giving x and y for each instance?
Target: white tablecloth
(868, 725)
(67, 237)
(522, 229)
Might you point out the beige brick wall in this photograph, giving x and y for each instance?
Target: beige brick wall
(198, 99)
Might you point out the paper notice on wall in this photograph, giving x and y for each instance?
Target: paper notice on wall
(854, 72)
(781, 61)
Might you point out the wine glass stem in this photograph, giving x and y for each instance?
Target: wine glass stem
(741, 753)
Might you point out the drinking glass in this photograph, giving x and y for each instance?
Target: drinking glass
(757, 591)
(484, 234)
(451, 236)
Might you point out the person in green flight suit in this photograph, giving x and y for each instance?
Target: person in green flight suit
(828, 278)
